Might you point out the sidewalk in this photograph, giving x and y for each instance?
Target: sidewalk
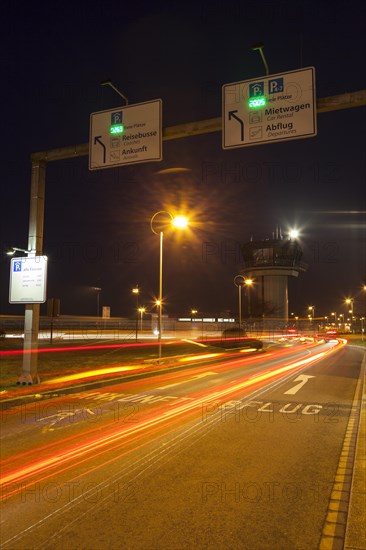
(356, 530)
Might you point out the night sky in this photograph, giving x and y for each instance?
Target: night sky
(97, 224)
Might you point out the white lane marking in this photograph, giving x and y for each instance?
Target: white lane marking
(185, 381)
(196, 343)
(303, 378)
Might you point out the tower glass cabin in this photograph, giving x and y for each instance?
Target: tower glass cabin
(270, 262)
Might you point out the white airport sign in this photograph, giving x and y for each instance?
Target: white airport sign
(28, 280)
(126, 135)
(279, 107)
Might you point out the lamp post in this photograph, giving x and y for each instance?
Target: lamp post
(98, 291)
(312, 309)
(141, 311)
(136, 292)
(249, 283)
(341, 315)
(239, 281)
(180, 222)
(349, 302)
(362, 328)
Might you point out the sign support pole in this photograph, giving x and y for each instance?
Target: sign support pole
(35, 243)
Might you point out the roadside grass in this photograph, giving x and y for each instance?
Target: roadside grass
(60, 360)
(356, 340)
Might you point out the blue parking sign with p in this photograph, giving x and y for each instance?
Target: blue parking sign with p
(275, 85)
(256, 89)
(17, 266)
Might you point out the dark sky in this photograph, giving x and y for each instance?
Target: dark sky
(97, 224)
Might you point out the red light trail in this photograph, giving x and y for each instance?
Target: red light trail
(74, 451)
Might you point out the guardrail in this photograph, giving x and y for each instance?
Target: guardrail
(121, 329)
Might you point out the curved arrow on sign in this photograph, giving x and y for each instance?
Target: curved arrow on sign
(241, 122)
(98, 140)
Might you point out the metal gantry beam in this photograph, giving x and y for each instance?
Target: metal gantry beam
(36, 215)
(324, 105)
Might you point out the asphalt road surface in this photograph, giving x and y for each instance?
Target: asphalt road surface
(238, 451)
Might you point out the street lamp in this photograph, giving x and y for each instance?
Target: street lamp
(249, 283)
(239, 281)
(136, 292)
(141, 311)
(13, 249)
(180, 222)
(98, 291)
(312, 309)
(349, 301)
(341, 315)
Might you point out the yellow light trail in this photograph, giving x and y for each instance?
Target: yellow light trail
(92, 373)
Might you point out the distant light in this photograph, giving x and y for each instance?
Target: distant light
(116, 129)
(248, 282)
(293, 234)
(256, 102)
(180, 221)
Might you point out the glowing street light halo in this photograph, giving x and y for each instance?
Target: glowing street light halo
(294, 233)
(181, 222)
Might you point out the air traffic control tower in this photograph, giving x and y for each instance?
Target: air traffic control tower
(270, 262)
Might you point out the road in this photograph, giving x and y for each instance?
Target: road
(238, 450)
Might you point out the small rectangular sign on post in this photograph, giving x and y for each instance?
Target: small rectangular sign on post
(28, 280)
(126, 135)
(278, 107)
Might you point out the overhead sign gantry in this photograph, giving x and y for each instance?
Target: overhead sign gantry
(36, 214)
(277, 107)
